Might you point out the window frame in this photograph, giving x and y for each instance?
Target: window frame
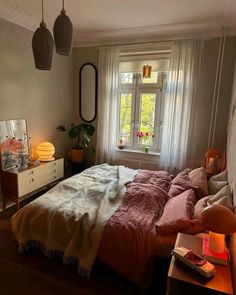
(137, 88)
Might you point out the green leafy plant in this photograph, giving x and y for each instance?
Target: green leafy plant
(80, 135)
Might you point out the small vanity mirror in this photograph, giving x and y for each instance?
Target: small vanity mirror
(88, 92)
(14, 144)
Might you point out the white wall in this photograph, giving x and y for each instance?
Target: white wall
(82, 55)
(43, 98)
(49, 98)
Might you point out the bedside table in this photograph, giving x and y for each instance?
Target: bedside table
(184, 280)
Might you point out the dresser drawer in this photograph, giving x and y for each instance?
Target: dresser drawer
(37, 177)
(27, 185)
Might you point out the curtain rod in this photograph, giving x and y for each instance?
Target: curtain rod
(155, 42)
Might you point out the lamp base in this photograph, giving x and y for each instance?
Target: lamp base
(47, 160)
(216, 242)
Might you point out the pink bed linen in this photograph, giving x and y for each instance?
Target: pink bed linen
(129, 238)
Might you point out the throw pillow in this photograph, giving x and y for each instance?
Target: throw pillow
(217, 182)
(198, 177)
(223, 176)
(180, 183)
(177, 213)
(200, 205)
(223, 197)
(225, 191)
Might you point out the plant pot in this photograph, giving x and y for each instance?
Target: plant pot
(146, 149)
(77, 155)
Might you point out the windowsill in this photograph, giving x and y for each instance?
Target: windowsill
(126, 150)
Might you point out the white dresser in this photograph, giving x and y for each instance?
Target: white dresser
(19, 184)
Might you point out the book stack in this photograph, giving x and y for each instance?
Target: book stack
(220, 258)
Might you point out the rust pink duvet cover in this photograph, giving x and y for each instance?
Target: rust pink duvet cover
(128, 242)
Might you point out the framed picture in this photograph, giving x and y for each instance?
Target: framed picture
(14, 144)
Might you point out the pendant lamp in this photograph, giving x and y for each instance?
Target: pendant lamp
(42, 45)
(147, 70)
(63, 32)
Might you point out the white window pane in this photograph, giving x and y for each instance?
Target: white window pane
(126, 78)
(147, 118)
(125, 117)
(152, 79)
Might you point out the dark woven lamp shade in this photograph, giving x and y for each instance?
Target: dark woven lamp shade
(42, 45)
(63, 32)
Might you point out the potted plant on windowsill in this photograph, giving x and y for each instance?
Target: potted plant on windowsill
(80, 136)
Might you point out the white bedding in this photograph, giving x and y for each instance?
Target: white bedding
(70, 218)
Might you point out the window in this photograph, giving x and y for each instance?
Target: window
(141, 109)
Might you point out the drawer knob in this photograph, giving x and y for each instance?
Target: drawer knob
(31, 180)
(54, 170)
(54, 177)
(31, 172)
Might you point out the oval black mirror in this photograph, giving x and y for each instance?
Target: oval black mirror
(88, 92)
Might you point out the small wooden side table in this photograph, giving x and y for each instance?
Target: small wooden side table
(183, 280)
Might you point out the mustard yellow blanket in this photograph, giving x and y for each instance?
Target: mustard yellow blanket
(70, 218)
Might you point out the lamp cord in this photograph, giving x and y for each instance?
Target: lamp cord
(42, 12)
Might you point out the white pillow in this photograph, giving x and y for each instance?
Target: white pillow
(223, 176)
(217, 182)
(225, 191)
(225, 201)
(199, 206)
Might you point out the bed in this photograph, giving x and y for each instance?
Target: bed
(125, 217)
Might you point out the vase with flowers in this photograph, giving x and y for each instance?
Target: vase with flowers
(143, 137)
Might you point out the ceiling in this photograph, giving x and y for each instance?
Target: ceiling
(126, 21)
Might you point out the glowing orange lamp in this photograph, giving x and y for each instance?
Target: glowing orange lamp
(45, 151)
(211, 164)
(147, 70)
(218, 227)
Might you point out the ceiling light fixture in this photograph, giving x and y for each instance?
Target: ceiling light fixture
(63, 32)
(42, 45)
(147, 70)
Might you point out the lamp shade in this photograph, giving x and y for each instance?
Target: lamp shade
(42, 45)
(63, 32)
(45, 151)
(218, 219)
(147, 70)
(213, 153)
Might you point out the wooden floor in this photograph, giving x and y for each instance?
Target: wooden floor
(32, 273)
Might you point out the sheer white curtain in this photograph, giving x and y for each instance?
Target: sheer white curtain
(182, 142)
(107, 104)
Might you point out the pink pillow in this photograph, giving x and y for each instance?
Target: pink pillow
(198, 177)
(177, 213)
(180, 183)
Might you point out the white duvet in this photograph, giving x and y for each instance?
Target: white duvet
(70, 218)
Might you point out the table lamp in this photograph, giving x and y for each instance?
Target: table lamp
(219, 220)
(212, 156)
(45, 151)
